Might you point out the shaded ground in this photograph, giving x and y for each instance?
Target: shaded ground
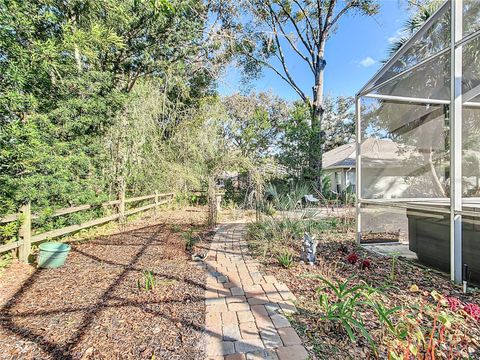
(92, 309)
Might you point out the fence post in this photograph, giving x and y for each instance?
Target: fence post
(25, 232)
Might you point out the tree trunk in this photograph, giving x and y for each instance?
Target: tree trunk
(436, 180)
(212, 202)
(316, 139)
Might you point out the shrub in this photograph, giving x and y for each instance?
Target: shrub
(285, 231)
(190, 239)
(285, 259)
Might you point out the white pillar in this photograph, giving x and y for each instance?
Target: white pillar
(456, 143)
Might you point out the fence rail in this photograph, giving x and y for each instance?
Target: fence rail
(26, 239)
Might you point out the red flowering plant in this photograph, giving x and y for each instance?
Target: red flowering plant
(366, 264)
(473, 310)
(453, 303)
(352, 258)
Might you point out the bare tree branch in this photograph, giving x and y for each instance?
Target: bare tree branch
(328, 18)
(308, 26)
(279, 73)
(284, 63)
(292, 44)
(299, 32)
(319, 23)
(341, 13)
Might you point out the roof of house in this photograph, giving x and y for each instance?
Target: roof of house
(374, 151)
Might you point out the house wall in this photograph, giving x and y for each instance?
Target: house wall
(384, 183)
(376, 183)
(332, 173)
(344, 178)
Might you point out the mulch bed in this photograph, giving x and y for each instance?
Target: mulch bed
(384, 237)
(321, 339)
(92, 308)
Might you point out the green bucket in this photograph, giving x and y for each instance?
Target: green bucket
(52, 254)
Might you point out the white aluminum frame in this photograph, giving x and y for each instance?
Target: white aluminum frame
(456, 53)
(358, 165)
(437, 14)
(453, 204)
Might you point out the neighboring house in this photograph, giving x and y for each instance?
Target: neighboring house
(339, 164)
(386, 168)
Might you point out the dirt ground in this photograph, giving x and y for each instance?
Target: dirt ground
(92, 307)
(324, 342)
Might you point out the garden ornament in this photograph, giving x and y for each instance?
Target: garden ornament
(309, 249)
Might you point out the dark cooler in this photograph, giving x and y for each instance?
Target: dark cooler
(429, 237)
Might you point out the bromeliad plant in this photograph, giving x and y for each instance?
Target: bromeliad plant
(147, 282)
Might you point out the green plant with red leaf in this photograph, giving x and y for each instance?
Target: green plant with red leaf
(472, 310)
(428, 333)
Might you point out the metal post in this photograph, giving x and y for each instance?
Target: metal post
(358, 168)
(25, 233)
(456, 142)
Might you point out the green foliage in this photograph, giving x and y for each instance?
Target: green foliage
(343, 310)
(190, 239)
(147, 281)
(95, 95)
(338, 127)
(252, 122)
(285, 231)
(175, 228)
(285, 259)
(393, 268)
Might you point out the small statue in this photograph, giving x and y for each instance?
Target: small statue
(309, 249)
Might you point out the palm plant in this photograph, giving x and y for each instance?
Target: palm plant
(424, 11)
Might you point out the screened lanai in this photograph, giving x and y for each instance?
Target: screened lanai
(426, 101)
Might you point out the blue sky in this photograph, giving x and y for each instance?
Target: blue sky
(353, 54)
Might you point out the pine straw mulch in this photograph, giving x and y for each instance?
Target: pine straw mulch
(92, 309)
(326, 342)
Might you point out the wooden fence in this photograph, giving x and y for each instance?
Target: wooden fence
(26, 239)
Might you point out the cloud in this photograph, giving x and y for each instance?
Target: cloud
(368, 61)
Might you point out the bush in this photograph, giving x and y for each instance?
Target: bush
(285, 232)
(190, 239)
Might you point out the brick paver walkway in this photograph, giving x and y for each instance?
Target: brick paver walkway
(244, 308)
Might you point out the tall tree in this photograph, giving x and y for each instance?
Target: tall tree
(303, 28)
(252, 123)
(338, 128)
(67, 72)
